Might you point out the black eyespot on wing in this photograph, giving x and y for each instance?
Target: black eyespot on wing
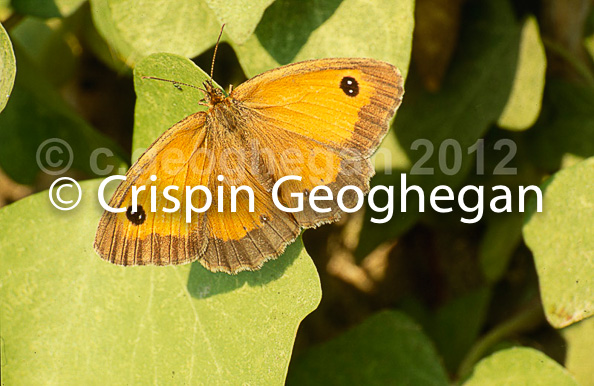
(137, 217)
(349, 86)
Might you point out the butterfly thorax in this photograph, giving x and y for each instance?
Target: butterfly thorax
(224, 115)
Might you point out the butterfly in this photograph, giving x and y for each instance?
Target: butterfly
(320, 120)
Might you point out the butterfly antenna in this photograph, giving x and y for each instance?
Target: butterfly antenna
(175, 82)
(215, 52)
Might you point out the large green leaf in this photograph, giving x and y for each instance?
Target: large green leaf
(7, 67)
(524, 103)
(239, 16)
(580, 350)
(519, 366)
(294, 30)
(561, 240)
(68, 317)
(136, 28)
(38, 129)
(46, 8)
(388, 348)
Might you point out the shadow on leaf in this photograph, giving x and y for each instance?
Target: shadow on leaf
(287, 25)
(203, 284)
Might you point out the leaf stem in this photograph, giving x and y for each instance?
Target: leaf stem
(525, 320)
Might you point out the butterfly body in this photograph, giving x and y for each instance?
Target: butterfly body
(320, 120)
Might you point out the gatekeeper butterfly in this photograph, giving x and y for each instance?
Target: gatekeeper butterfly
(318, 119)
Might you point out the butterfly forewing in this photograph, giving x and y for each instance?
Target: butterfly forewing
(341, 103)
(145, 237)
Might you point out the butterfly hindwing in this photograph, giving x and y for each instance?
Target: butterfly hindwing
(243, 238)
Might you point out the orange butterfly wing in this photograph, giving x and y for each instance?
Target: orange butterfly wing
(189, 154)
(158, 238)
(244, 239)
(323, 119)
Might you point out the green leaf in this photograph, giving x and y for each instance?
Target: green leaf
(72, 318)
(159, 104)
(47, 8)
(501, 238)
(388, 348)
(453, 334)
(523, 106)
(567, 128)
(295, 30)
(38, 129)
(561, 240)
(580, 350)
(239, 16)
(47, 47)
(519, 366)
(390, 156)
(99, 47)
(135, 28)
(7, 67)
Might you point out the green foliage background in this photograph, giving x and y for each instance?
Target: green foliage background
(422, 299)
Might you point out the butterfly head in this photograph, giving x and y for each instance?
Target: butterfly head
(212, 94)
